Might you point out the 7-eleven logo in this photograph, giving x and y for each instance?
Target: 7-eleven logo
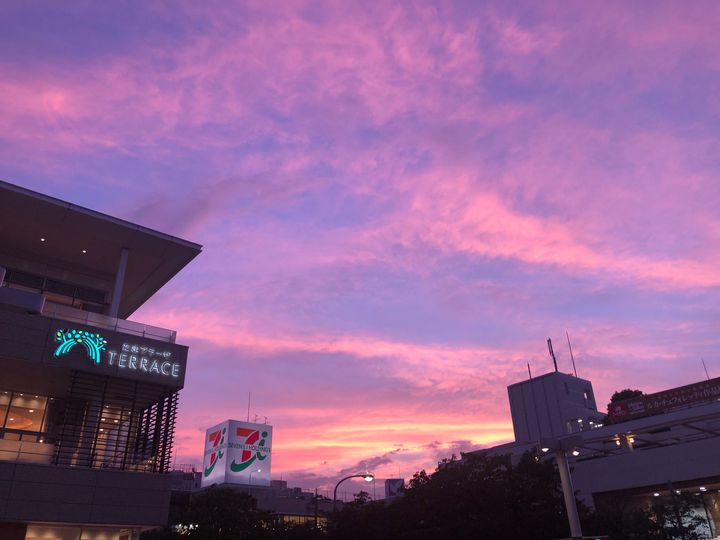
(253, 449)
(216, 438)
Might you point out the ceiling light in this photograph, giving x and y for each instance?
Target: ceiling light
(703, 488)
(31, 410)
(576, 452)
(42, 239)
(545, 449)
(12, 419)
(84, 250)
(656, 494)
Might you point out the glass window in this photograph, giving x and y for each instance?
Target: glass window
(4, 402)
(27, 412)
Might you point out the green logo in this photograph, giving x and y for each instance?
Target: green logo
(217, 438)
(252, 449)
(93, 343)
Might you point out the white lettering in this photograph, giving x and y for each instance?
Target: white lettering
(123, 360)
(164, 367)
(176, 370)
(143, 364)
(111, 357)
(133, 362)
(154, 368)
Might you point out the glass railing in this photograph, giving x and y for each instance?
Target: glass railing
(67, 313)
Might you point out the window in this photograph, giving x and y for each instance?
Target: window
(4, 402)
(26, 412)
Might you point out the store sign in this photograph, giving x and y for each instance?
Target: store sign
(237, 453)
(129, 356)
(667, 400)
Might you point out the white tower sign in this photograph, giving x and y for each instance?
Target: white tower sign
(237, 453)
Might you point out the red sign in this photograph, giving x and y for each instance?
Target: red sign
(667, 400)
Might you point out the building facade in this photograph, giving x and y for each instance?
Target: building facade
(655, 448)
(88, 398)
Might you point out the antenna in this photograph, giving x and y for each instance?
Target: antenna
(529, 372)
(552, 353)
(705, 368)
(571, 354)
(248, 416)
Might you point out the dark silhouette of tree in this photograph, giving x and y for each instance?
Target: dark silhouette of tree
(480, 496)
(228, 514)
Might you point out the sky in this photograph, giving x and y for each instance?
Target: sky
(398, 202)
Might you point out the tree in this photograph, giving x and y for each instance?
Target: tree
(621, 395)
(479, 496)
(228, 514)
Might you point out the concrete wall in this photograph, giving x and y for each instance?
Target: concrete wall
(42, 493)
(542, 407)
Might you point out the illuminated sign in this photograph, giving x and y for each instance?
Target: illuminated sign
(237, 453)
(130, 356)
(93, 343)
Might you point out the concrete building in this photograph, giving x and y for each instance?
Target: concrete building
(87, 398)
(656, 446)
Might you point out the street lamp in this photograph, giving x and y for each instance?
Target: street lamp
(558, 448)
(251, 472)
(368, 477)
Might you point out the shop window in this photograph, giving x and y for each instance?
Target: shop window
(26, 412)
(4, 403)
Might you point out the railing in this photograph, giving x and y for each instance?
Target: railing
(38, 449)
(67, 313)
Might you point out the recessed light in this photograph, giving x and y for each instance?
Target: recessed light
(31, 410)
(656, 494)
(12, 419)
(84, 250)
(42, 239)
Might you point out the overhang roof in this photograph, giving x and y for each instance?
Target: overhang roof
(68, 229)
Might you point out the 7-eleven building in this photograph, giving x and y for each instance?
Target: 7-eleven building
(237, 453)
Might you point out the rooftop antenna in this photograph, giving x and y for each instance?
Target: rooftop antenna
(571, 354)
(705, 368)
(552, 353)
(266, 419)
(529, 372)
(256, 417)
(248, 416)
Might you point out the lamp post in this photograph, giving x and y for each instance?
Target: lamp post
(251, 473)
(368, 477)
(558, 448)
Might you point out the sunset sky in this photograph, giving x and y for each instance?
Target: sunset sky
(398, 202)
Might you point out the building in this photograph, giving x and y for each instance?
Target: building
(87, 398)
(658, 445)
(238, 453)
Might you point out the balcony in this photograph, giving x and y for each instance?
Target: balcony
(67, 313)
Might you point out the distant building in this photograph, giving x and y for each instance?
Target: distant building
(658, 443)
(237, 453)
(87, 398)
